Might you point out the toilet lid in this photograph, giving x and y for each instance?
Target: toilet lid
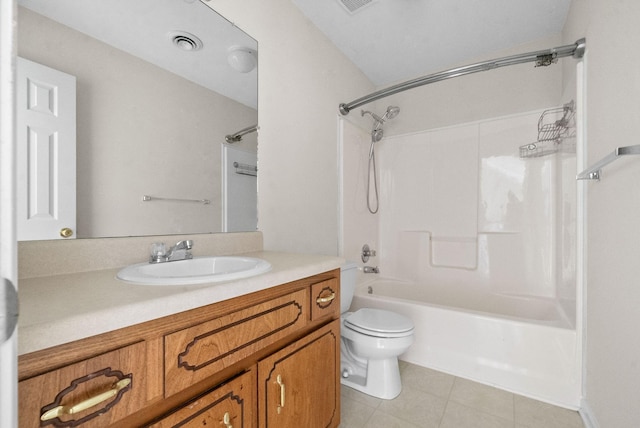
(378, 322)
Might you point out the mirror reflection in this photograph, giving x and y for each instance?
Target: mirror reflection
(159, 84)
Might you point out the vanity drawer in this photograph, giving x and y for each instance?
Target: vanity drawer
(197, 352)
(98, 391)
(325, 299)
(230, 404)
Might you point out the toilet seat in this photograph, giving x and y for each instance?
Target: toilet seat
(379, 323)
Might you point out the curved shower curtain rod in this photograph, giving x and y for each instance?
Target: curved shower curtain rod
(541, 58)
(234, 138)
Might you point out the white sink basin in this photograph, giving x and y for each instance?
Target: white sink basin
(198, 270)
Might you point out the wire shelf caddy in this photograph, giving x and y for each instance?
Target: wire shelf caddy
(554, 126)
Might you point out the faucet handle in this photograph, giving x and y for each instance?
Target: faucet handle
(367, 252)
(158, 252)
(371, 269)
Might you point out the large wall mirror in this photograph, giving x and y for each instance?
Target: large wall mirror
(159, 84)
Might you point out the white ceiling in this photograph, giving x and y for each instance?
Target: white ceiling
(395, 40)
(140, 27)
(389, 40)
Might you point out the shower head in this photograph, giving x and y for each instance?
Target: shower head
(392, 112)
(377, 133)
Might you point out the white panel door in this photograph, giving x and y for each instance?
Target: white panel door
(46, 151)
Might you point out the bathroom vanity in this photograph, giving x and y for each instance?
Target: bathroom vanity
(257, 352)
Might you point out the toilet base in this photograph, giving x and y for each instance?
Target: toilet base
(382, 378)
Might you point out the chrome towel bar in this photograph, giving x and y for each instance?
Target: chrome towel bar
(244, 169)
(147, 198)
(593, 173)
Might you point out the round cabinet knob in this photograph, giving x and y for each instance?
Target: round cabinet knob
(65, 232)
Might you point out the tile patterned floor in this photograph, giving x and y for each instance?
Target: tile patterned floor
(431, 399)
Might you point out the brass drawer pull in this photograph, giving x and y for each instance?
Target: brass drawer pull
(84, 405)
(226, 420)
(326, 299)
(281, 384)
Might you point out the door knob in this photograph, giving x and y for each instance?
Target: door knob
(65, 232)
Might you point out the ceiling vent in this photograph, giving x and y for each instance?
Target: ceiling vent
(185, 41)
(352, 6)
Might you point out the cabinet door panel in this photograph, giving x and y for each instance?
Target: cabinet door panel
(91, 393)
(229, 405)
(298, 386)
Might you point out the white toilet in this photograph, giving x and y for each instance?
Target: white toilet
(371, 341)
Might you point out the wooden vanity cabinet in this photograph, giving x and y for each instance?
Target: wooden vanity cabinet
(217, 365)
(196, 353)
(95, 392)
(231, 404)
(299, 385)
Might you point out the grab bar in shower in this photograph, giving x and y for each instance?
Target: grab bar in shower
(593, 173)
(147, 198)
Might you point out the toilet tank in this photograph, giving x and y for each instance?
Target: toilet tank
(347, 285)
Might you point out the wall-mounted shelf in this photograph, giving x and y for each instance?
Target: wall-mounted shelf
(593, 173)
(554, 126)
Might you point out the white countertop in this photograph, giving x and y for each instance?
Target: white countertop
(63, 308)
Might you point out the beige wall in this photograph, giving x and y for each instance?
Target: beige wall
(302, 79)
(140, 131)
(613, 241)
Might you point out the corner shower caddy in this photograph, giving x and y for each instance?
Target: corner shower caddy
(551, 131)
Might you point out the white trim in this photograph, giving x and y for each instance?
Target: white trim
(588, 417)
(8, 245)
(340, 158)
(582, 235)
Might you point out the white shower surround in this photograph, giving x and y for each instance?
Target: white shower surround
(458, 205)
(504, 231)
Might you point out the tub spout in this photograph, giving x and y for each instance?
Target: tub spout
(370, 269)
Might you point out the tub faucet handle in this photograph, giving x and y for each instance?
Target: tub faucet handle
(367, 252)
(371, 269)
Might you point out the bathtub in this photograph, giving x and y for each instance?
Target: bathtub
(522, 344)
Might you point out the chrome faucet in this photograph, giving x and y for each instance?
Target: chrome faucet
(367, 252)
(180, 251)
(370, 269)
